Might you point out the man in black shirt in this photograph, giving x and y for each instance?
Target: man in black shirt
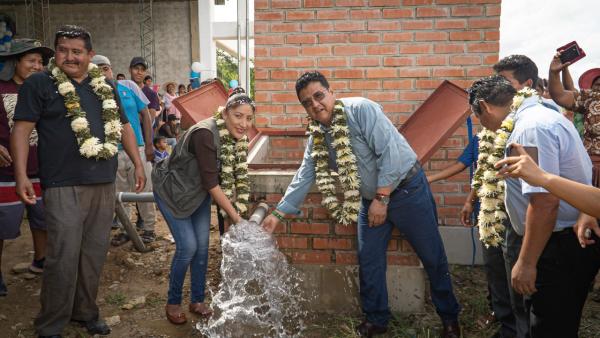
(77, 176)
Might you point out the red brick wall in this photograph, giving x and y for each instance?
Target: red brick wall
(392, 51)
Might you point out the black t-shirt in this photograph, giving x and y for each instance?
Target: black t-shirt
(60, 163)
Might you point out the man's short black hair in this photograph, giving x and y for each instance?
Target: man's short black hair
(157, 139)
(147, 77)
(73, 32)
(496, 90)
(308, 77)
(172, 117)
(522, 67)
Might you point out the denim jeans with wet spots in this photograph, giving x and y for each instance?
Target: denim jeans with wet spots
(412, 211)
(191, 236)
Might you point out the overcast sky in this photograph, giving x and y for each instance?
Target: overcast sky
(539, 27)
(532, 27)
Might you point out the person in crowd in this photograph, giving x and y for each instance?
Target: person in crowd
(148, 81)
(392, 192)
(208, 160)
(120, 77)
(170, 131)
(24, 58)
(169, 95)
(137, 70)
(181, 90)
(139, 117)
(493, 257)
(522, 73)
(161, 149)
(585, 101)
(189, 88)
(522, 166)
(77, 166)
(552, 270)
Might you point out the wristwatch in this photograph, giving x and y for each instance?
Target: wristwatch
(385, 199)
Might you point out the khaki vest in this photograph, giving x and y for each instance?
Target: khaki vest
(176, 180)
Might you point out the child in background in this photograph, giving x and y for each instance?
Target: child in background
(160, 149)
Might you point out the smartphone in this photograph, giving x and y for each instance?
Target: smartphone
(531, 151)
(571, 52)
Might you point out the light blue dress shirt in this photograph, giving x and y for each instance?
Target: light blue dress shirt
(383, 155)
(560, 152)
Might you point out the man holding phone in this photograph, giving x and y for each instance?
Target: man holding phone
(552, 270)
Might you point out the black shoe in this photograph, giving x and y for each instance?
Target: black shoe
(53, 336)
(119, 239)
(148, 236)
(3, 289)
(95, 326)
(451, 330)
(368, 329)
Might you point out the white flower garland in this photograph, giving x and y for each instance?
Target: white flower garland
(89, 145)
(234, 167)
(490, 188)
(346, 163)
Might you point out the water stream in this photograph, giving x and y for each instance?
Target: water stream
(260, 294)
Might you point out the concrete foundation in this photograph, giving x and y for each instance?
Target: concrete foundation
(335, 288)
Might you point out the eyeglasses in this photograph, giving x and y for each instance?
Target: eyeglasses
(317, 96)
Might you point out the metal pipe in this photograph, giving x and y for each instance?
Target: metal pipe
(248, 47)
(135, 197)
(259, 213)
(239, 43)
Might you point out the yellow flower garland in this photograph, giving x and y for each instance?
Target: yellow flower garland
(89, 145)
(347, 212)
(234, 167)
(490, 188)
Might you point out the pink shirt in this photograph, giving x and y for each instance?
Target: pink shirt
(171, 110)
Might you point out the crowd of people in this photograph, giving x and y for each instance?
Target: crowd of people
(71, 135)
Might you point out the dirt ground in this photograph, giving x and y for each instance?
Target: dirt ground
(133, 293)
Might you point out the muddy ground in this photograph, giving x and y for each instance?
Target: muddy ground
(133, 293)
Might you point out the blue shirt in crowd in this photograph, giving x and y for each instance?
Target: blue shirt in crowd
(470, 153)
(560, 152)
(132, 105)
(383, 155)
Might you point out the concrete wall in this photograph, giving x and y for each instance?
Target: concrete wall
(115, 33)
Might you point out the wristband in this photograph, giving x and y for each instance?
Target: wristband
(278, 215)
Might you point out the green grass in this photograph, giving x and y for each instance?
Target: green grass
(117, 299)
(471, 290)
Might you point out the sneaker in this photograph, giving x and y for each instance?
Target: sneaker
(37, 266)
(115, 224)
(119, 239)
(148, 236)
(3, 289)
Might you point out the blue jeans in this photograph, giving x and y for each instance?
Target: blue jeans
(412, 211)
(191, 241)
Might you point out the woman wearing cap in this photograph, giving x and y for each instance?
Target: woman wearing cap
(23, 59)
(586, 101)
(208, 163)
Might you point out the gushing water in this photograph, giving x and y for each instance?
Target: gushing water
(260, 294)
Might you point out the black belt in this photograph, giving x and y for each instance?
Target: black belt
(412, 172)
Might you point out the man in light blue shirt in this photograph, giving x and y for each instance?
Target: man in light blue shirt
(137, 112)
(394, 192)
(552, 270)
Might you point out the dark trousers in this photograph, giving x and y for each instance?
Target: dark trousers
(79, 221)
(512, 248)
(411, 210)
(565, 272)
(499, 285)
